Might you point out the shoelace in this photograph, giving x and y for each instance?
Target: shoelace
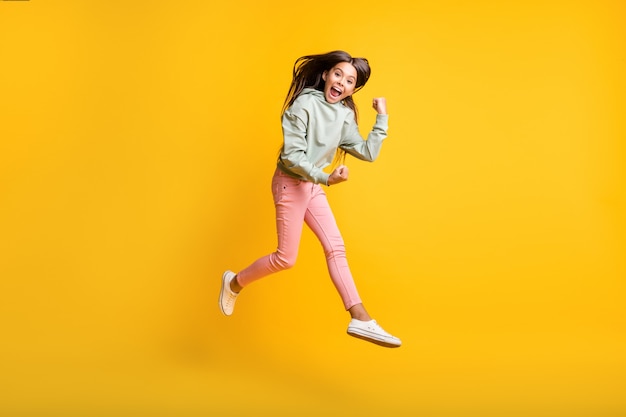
(230, 300)
(376, 327)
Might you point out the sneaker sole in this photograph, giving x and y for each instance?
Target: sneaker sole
(219, 300)
(372, 340)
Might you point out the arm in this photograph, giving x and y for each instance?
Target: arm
(367, 150)
(294, 149)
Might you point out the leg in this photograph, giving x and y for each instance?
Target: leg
(290, 200)
(319, 217)
(358, 312)
(321, 220)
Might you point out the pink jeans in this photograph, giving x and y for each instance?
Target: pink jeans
(297, 201)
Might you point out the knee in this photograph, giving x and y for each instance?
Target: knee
(335, 250)
(282, 262)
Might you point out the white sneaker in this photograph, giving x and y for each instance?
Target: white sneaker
(227, 296)
(372, 332)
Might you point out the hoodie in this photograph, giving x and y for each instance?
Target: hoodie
(313, 129)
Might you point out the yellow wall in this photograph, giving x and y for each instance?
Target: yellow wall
(137, 144)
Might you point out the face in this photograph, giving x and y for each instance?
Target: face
(340, 82)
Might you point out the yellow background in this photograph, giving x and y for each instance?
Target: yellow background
(138, 139)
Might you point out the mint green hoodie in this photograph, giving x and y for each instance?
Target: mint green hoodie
(313, 129)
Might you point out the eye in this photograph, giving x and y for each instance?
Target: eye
(350, 81)
(337, 74)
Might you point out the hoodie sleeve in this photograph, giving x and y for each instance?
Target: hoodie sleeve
(354, 144)
(293, 154)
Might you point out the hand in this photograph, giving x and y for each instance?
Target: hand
(340, 174)
(380, 105)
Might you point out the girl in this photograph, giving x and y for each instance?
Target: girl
(319, 122)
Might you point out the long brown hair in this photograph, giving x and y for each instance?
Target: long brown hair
(307, 73)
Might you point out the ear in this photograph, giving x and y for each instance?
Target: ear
(324, 74)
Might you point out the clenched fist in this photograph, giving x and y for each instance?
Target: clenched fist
(380, 105)
(340, 174)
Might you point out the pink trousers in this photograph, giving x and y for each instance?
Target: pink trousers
(299, 202)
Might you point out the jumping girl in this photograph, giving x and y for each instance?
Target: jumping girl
(319, 124)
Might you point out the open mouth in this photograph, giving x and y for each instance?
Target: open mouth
(335, 92)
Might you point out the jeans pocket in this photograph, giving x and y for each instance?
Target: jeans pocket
(282, 189)
(278, 191)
